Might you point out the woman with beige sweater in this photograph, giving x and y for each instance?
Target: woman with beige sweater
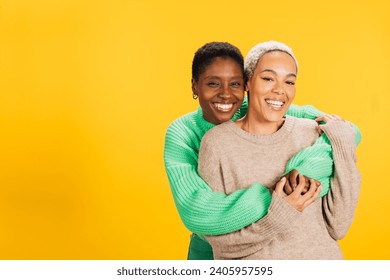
(258, 147)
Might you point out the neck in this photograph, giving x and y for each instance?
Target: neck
(258, 125)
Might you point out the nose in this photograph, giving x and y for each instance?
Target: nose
(225, 92)
(278, 88)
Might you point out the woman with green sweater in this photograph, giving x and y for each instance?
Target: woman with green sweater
(221, 98)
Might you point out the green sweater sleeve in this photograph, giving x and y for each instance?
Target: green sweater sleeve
(201, 210)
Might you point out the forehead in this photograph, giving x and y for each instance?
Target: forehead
(278, 60)
(222, 65)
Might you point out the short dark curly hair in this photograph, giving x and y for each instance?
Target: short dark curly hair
(206, 55)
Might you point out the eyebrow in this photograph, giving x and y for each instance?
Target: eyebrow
(272, 71)
(216, 77)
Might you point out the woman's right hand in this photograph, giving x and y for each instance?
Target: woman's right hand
(296, 199)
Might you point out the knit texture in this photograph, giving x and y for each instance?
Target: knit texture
(201, 210)
(231, 159)
(317, 161)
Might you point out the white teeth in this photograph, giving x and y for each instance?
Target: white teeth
(223, 107)
(274, 102)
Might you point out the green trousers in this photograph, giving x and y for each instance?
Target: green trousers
(199, 249)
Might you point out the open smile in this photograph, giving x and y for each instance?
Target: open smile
(223, 107)
(275, 104)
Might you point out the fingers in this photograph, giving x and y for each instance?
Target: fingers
(312, 189)
(300, 179)
(279, 187)
(293, 178)
(301, 185)
(291, 182)
(288, 188)
(319, 130)
(313, 198)
(307, 185)
(300, 201)
(320, 119)
(327, 118)
(305, 193)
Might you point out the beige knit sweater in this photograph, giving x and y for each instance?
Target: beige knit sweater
(231, 158)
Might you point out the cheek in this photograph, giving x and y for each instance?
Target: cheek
(291, 94)
(204, 94)
(239, 94)
(203, 102)
(259, 88)
(262, 86)
(250, 85)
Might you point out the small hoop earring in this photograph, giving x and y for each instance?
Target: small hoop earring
(194, 96)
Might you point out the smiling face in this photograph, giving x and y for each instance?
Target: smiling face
(220, 89)
(272, 87)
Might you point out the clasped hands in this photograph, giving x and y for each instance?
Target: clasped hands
(296, 189)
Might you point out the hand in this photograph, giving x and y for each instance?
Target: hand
(292, 181)
(296, 199)
(327, 119)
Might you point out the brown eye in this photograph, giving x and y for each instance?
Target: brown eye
(213, 84)
(291, 83)
(235, 84)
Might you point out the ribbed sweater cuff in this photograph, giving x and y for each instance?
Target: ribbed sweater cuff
(342, 137)
(281, 214)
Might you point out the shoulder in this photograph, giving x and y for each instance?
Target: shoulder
(216, 138)
(304, 127)
(184, 124)
(303, 124)
(181, 141)
(219, 132)
(181, 135)
(183, 121)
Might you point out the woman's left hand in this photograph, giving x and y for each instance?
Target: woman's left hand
(292, 181)
(326, 119)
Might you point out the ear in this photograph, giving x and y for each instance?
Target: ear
(194, 86)
(247, 87)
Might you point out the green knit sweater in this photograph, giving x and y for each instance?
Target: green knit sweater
(205, 212)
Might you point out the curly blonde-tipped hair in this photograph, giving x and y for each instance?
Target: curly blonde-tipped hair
(259, 50)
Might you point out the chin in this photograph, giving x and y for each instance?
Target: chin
(275, 117)
(222, 119)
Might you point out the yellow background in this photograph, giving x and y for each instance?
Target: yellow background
(88, 88)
